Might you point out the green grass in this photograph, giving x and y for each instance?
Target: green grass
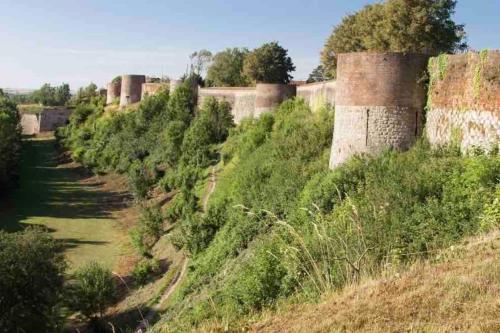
(54, 196)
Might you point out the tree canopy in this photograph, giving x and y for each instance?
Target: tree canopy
(10, 141)
(424, 26)
(269, 63)
(53, 96)
(31, 281)
(226, 69)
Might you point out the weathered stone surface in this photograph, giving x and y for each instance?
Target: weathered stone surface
(318, 94)
(131, 89)
(241, 99)
(44, 121)
(112, 92)
(379, 102)
(152, 88)
(270, 95)
(464, 100)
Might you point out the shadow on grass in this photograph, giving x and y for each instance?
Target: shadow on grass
(46, 190)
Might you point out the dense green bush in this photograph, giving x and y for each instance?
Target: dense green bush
(31, 282)
(144, 270)
(10, 142)
(92, 290)
(148, 230)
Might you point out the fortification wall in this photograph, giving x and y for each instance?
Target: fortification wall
(379, 101)
(30, 124)
(318, 94)
(150, 89)
(464, 100)
(51, 119)
(131, 89)
(112, 92)
(241, 99)
(45, 121)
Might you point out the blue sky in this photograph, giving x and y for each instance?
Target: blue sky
(79, 41)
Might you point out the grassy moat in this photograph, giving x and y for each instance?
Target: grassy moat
(72, 205)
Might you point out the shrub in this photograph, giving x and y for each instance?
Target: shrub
(10, 142)
(92, 290)
(31, 281)
(144, 269)
(148, 231)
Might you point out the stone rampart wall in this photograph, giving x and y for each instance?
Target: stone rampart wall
(241, 99)
(318, 94)
(464, 100)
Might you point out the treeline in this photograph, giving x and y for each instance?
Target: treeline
(10, 142)
(49, 95)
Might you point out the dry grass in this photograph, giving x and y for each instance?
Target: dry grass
(458, 292)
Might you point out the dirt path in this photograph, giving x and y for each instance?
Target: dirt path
(144, 325)
(73, 206)
(211, 188)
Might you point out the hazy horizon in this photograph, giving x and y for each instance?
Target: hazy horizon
(81, 42)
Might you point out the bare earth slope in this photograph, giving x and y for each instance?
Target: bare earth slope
(460, 292)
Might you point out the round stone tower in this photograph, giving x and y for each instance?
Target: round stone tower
(131, 89)
(270, 95)
(113, 92)
(379, 100)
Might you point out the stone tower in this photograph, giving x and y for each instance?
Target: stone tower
(379, 101)
(113, 92)
(131, 89)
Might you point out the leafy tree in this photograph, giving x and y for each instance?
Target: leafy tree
(399, 26)
(269, 63)
(200, 60)
(31, 281)
(88, 95)
(318, 75)
(226, 69)
(52, 96)
(93, 290)
(62, 94)
(10, 141)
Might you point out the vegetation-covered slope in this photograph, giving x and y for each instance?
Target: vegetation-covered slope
(279, 225)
